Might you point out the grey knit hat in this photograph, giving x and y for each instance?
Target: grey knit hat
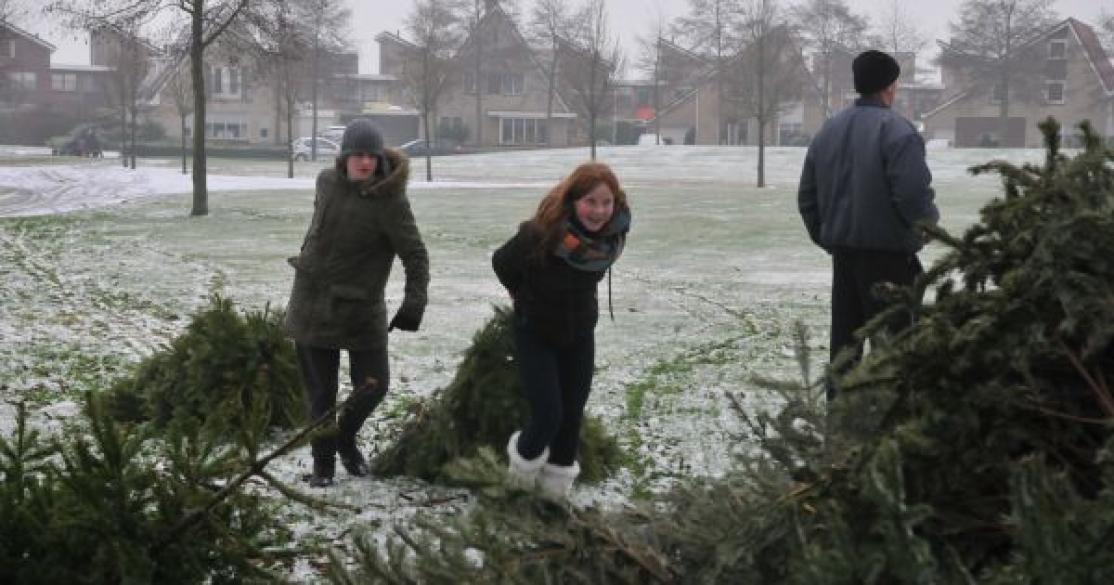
(361, 136)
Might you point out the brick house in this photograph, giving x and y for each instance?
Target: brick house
(695, 115)
(1076, 83)
(39, 99)
(512, 84)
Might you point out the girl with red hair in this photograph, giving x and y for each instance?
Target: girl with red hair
(551, 268)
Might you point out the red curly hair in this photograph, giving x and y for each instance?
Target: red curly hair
(555, 208)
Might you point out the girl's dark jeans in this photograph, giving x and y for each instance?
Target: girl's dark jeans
(556, 382)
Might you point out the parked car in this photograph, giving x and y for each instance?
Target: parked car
(303, 148)
(334, 133)
(420, 147)
(83, 140)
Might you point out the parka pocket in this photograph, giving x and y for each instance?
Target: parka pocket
(349, 307)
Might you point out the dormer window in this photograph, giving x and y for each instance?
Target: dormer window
(1058, 50)
(7, 48)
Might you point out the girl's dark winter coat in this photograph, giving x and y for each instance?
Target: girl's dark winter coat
(340, 275)
(556, 300)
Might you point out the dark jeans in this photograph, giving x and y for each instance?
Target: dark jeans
(556, 382)
(854, 275)
(320, 368)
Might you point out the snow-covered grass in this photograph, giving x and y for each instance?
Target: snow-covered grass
(715, 273)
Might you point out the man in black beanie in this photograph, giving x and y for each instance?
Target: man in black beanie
(864, 187)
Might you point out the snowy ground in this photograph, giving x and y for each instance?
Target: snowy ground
(714, 275)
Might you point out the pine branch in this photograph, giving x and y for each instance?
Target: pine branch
(257, 468)
(653, 565)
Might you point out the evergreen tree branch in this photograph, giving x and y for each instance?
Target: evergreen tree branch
(255, 469)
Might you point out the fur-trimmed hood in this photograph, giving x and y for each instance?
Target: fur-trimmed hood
(394, 183)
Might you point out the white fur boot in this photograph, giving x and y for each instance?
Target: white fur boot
(523, 473)
(555, 481)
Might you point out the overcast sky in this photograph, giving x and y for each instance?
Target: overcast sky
(629, 19)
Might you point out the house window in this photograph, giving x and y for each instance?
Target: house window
(226, 130)
(468, 83)
(513, 83)
(225, 82)
(7, 48)
(494, 81)
(1054, 91)
(523, 131)
(24, 79)
(1058, 50)
(643, 96)
(262, 132)
(63, 81)
(996, 94)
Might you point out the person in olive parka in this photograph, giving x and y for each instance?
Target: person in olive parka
(551, 268)
(361, 221)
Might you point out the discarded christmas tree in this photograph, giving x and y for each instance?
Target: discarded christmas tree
(481, 407)
(976, 446)
(222, 356)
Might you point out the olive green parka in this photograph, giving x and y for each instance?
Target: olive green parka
(340, 275)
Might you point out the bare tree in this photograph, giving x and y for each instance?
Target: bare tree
(898, 32)
(1106, 30)
(181, 92)
(650, 62)
(8, 10)
(988, 46)
(472, 14)
(825, 27)
(208, 19)
(768, 73)
(428, 65)
(132, 60)
(280, 34)
(131, 57)
(594, 61)
(709, 28)
(550, 22)
(327, 21)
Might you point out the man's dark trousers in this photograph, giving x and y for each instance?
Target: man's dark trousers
(854, 276)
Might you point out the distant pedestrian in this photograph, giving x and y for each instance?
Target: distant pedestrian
(864, 186)
(361, 221)
(551, 268)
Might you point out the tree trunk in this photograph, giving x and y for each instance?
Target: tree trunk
(592, 131)
(761, 153)
(185, 171)
(123, 132)
(657, 94)
(428, 146)
(478, 65)
(290, 133)
(135, 122)
(1004, 105)
(197, 73)
(313, 133)
(762, 108)
(552, 75)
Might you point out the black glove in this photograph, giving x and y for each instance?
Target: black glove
(405, 321)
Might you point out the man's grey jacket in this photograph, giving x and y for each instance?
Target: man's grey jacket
(865, 182)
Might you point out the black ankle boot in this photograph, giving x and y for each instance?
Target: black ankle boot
(322, 475)
(353, 461)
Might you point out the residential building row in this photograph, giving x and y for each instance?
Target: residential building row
(507, 102)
